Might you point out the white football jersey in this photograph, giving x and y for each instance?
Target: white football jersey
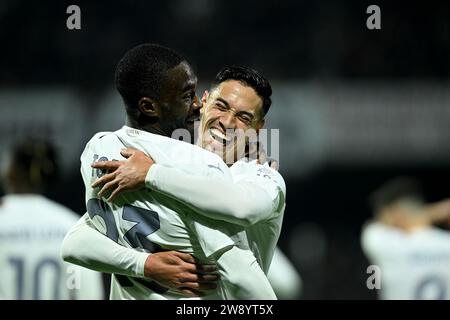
(413, 265)
(263, 236)
(284, 278)
(31, 232)
(254, 199)
(149, 221)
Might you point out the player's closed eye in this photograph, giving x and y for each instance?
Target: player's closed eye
(221, 107)
(245, 119)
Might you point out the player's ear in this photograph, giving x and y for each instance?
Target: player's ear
(205, 96)
(149, 107)
(203, 101)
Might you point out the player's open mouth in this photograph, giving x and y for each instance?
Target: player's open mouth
(217, 135)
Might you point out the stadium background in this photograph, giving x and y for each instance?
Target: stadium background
(354, 107)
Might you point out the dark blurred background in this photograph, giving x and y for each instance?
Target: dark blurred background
(355, 107)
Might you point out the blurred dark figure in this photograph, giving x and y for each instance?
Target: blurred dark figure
(403, 240)
(32, 228)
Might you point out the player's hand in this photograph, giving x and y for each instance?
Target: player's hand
(127, 175)
(258, 151)
(180, 272)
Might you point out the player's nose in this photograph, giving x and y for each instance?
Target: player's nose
(227, 121)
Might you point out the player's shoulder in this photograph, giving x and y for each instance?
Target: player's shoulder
(98, 140)
(207, 155)
(376, 229)
(377, 236)
(275, 174)
(244, 168)
(190, 153)
(437, 234)
(177, 149)
(99, 136)
(59, 211)
(44, 211)
(95, 139)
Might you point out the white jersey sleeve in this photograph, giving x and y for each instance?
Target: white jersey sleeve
(105, 255)
(284, 278)
(376, 240)
(265, 177)
(254, 195)
(243, 276)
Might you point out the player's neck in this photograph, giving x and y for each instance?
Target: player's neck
(152, 128)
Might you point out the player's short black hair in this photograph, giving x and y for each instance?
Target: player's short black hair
(394, 190)
(249, 77)
(142, 70)
(36, 161)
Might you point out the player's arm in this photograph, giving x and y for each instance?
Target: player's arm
(377, 240)
(85, 246)
(284, 278)
(438, 212)
(242, 276)
(245, 202)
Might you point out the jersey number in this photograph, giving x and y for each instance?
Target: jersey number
(431, 287)
(147, 222)
(18, 264)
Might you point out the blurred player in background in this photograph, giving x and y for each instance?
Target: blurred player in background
(32, 228)
(158, 89)
(405, 242)
(284, 277)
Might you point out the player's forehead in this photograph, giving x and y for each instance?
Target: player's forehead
(181, 77)
(238, 95)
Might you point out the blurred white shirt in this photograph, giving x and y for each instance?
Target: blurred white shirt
(32, 228)
(414, 266)
(284, 278)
